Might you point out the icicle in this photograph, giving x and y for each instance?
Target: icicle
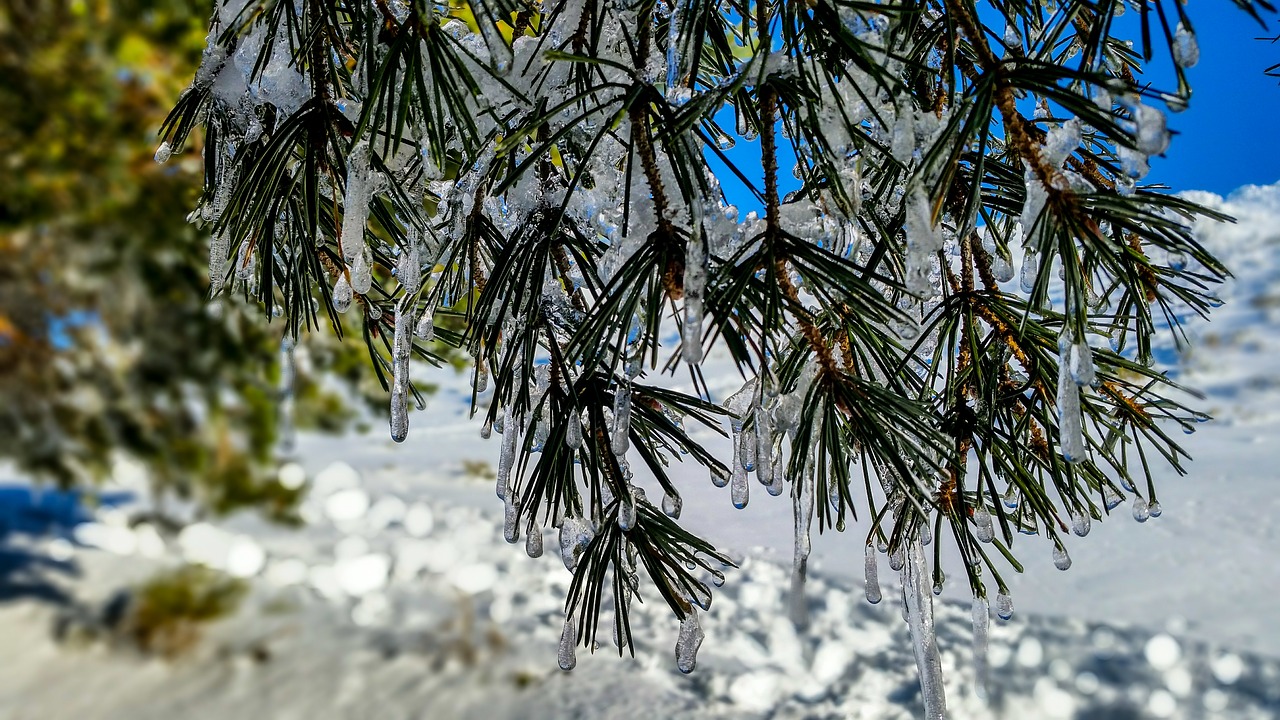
(401, 347)
(764, 447)
(507, 458)
(803, 515)
(1080, 523)
(573, 431)
(356, 198)
(621, 440)
(426, 328)
(672, 504)
(1004, 606)
(219, 247)
(983, 528)
(919, 605)
(1070, 422)
(673, 49)
(903, 143)
(1082, 364)
(923, 242)
(511, 518)
(342, 294)
(981, 626)
(688, 642)
(627, 509)
(1186, 51)
(1141, 512)
(739, 492)
(533, 542)
(871, 570)
(409, 269)
(567, 652)
(164, 152)
(361, 275)
(575, 536)
(1030, 269)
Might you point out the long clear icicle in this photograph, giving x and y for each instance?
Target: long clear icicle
(401, 347)
(687, 644)
(919, 607)
(1070, 422)
(739, 492)
(356, 201)
(695, 283)
(621, 439)
(803, 515)
(981, 625)
(764, 448)
(507, 458)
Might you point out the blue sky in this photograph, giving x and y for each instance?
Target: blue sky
(1229, 135)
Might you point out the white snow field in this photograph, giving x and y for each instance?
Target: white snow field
(400, 599)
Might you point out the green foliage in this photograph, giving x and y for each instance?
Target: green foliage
(108, 343)
(166, 614)
(550, 167)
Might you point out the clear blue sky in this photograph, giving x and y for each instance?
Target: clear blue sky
(1228, 137)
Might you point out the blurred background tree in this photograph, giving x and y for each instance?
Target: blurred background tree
(108, 343)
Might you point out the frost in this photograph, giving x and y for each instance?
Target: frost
(687, 644)
(919, 608)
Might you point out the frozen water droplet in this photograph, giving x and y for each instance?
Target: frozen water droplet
(1080, 523)
(1186, 51)
(1155, 510)
(1111, 498)
(895, 559)
(984, 529)
(573, 431)
(533, 543)
(1061, 559)
(672, 504)
(342, 294)
(718, 477)
(163, 153)
(511, 518)
(1140, 510)
(1004, 606)
(566, 653)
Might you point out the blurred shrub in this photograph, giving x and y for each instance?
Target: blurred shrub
(167, 614)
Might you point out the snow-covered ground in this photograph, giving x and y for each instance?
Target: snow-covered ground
(400, 600)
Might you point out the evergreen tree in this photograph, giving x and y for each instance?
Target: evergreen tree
(541, 176)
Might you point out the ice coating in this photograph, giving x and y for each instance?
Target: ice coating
(620, 440)
(575, 536)
(919, 608)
